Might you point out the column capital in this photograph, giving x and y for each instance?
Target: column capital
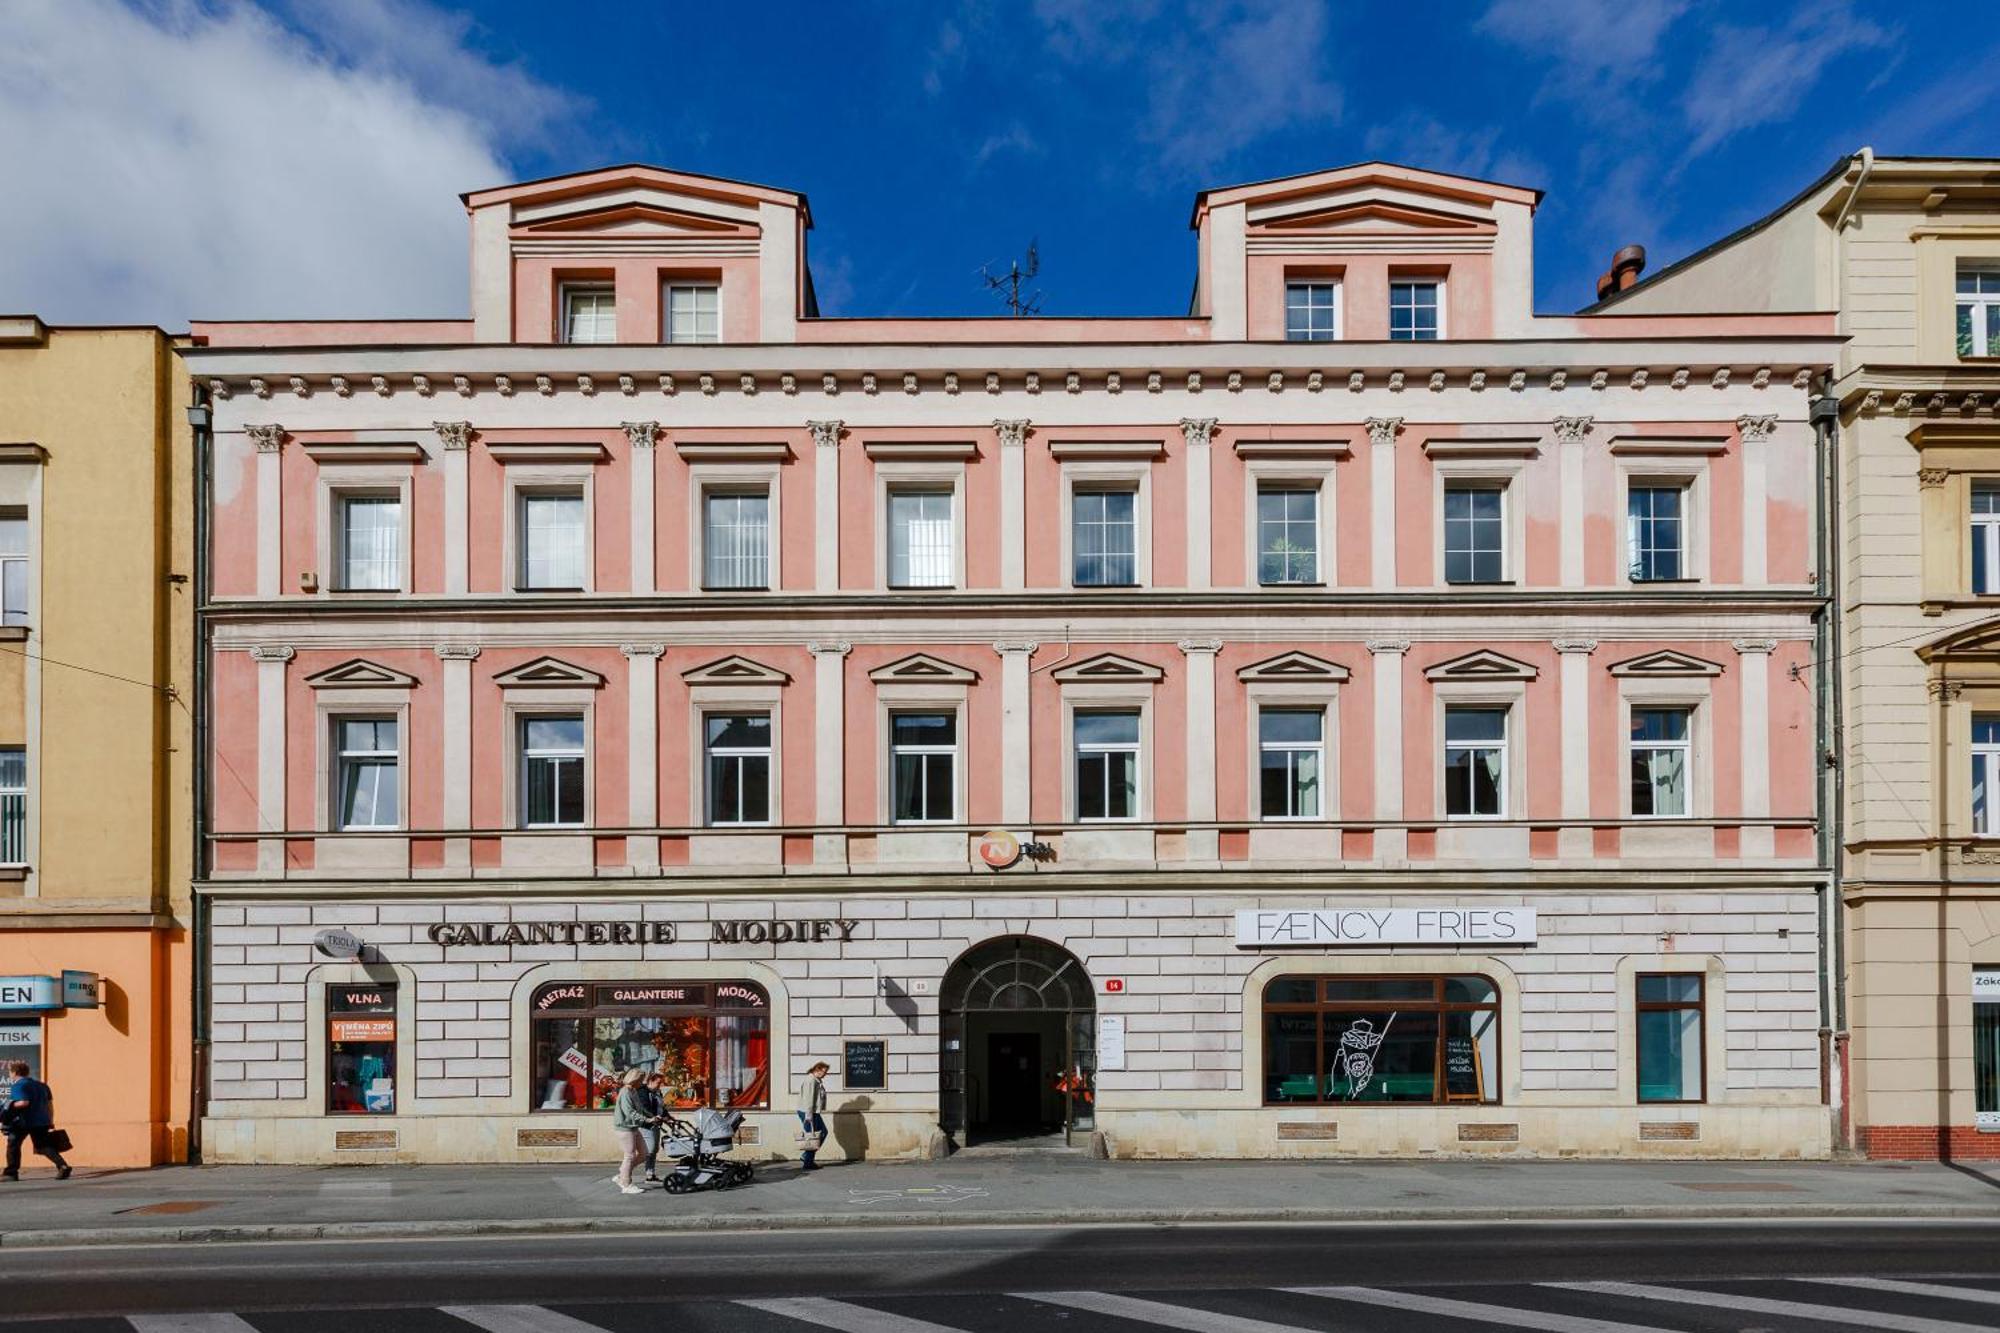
(1198, 431)
(1193, 646)
(1748, 646)
(1932, 477)
(1567, 646)
(268, 439)
(1572, 430)
(454, 434)
(1756, 428)
(273, 653)
(829, 647)
(1381, 646)
(826, 434)
(1383, 430)
(1013, 434)
(1026, 647)
(457, 652)
(653, 650)
(640, 433)
(1946, 690)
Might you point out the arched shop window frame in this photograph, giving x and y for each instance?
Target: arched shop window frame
(690, 1014)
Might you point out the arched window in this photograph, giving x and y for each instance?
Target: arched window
(1372, 1040)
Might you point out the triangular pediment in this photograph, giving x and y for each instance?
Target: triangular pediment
(1110, 667)
(1294, 666)
(923, 669)
(549, 671)
(633, 218)
(1666, 663)
(735, 670)
(1380, 216)
(1482, 665)
(358, 673)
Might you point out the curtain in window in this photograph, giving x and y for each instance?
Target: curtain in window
(737, 541)
(920, 539)
(552, 528)
(13, 806)
(372, 541)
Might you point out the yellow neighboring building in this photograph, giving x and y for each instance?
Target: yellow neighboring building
(96, 733)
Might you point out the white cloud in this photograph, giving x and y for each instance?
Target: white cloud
(1014, 139)
(188, 161)
(1600, 47)
(1758, 76)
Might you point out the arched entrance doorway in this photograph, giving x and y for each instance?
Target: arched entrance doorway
(1016, 1014)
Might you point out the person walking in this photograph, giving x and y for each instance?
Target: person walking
(812, 1127)
(30, 1114)
(653, 1090)
(629, 1115)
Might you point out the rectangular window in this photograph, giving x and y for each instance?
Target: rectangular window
(589, 313)
(1413, 310)
(694, 313)
(738, 747)
(922, 548)
(13, 806)
(13, 568)
(1986, 1050)
(1979, 310)
(1475, 762)
(371, 543)
(1475, 534)
(1985, 537)
(552, 778)
(1107, 765)
(1287, 534)
(1104, 535)
(1381, 1040)
(1985, 774)
(551, 530)
(1292, 757)
(923, 767)
(1660, 762)
(1312, 312)
(1655, 533)
(736, 539)
(710, 1040)
(365, 770)
(361, 1049)
(1670, 1035)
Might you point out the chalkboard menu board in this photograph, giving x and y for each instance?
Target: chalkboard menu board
(864, 1065)
(1464, 1077)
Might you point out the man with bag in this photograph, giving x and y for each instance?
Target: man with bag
(29, 1113)
(812, 1127)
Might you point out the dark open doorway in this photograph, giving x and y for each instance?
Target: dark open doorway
(1017, 1049)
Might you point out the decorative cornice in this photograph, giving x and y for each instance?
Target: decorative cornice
(1198, 431)
(1754, 429)
(826, 434)
(454, 434)
(268, 439)
(1584, 646)
(1572, 430)
(457, 652)
(1026, 647)
(1013, 434)
(1383, 430)
(829, 648)
(273, 653)
(642, 434)
(1748, 646)
(642, 649)
(1193, 646)
(1380, 646)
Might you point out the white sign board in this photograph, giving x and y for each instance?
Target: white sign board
(1277, 928)
(1110, 1041)
(1986, 987)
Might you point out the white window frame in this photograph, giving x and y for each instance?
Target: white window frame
(1506, 553)
(530, 478)
(1491, 474)
(704, 478)
(1339, 304)
(1109, 476)
(1980, 304)
(566, 294)
(1503, 696)
(896, 697)
(1688, 692)
(330, 707)
(342, 757)
(1320, 696)
(1260, 747)
(1443, 298)
(24, 558)
(768, 751)
(339, 482)
(343, 502)
(955, 752)
(1137, 749)
(704, 699)
(519, 719)
(1685, 745)
(1987, 756)
(1288, 476)
(1691, 476)
(1446, 747)
(1985, 533)
(683, 284)
(21, 793)
(891, 478)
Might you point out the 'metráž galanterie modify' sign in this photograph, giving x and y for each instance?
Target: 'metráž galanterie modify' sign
(1268, 928)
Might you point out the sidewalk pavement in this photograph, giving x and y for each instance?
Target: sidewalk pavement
(180, 1204)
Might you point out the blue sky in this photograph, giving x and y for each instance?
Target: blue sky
(931, 138)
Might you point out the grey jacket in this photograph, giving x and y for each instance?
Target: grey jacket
(812, 1096)
(631, 1110)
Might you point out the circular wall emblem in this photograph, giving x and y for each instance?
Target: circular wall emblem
(999, 848)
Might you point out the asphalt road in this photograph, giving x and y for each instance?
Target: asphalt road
(1227, 1279)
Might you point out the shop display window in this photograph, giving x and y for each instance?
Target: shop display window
(1986, 1049)
(1368, 1040)
(1670, 1006)
(712, 1041)
(361, 1049)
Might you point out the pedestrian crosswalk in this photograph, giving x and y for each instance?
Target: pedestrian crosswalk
(1805, 1304)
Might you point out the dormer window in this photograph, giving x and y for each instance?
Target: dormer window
(1979, 310)
(589, 313)
(1312, 311)
(1416, 310)
(694, 313)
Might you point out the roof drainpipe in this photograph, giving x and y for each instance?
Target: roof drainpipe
(1867, 158)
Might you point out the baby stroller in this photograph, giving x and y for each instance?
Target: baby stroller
(697, 1152)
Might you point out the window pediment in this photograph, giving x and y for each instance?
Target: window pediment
(923, 669)
(1666, 663)
(1110, 667)
(1974, 643)
(735, 670)
(1482, 665)
(1294, 667)
(360, 673)
(545, 671)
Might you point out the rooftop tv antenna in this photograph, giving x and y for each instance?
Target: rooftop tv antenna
(1007, 286)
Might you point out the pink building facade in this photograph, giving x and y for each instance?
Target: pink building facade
(1359, 717)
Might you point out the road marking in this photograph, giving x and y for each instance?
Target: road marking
(1544, 1320)
(843, 1316)
(1891, 1285)
(1895, 1323)
(518, 1319)
(1155, 1312)
(218, 1322)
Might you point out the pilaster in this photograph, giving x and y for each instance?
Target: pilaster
(1015, 809)
(829, 747)
(1203, 844)
(826, 503)
(642, 749)
(1755, 432)
(645, 555)
(271, 663)
(1754, 729)
(1013, 503)
(1572, 434)
(1382, 432)
(1574, 655)
(1199, 432)
(1391, 845)
(456, 437)
(457, 660)
(270, 440)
